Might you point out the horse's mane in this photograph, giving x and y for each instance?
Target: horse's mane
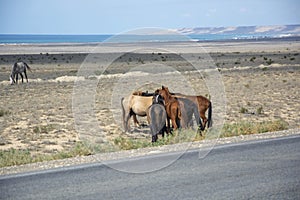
(27, 66)
(158, 99)
(144, 94)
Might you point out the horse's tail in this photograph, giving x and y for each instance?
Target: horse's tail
(27, 66)
(209, 120)
(123, 114)
(179, 113)
(179, 116)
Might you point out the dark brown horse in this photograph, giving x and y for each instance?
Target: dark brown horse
(203, 105)
(188, 110)
(172, 107)
(157, 116)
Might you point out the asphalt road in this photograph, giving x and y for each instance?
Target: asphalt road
(268, 169)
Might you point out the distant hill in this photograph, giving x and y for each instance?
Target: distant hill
(281, 30)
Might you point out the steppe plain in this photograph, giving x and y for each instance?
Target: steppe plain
(261, 81)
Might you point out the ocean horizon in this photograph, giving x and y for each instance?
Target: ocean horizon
(41, 39)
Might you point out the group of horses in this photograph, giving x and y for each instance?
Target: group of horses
(163, 106)
(160, 107)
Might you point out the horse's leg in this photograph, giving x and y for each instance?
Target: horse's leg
(174, 115)
(168, 125)
(152, 133)
(17, 77)
(22, 77)
(154, 138)
(130, 114)
(173, 119)
(163, 130)
(135, 121)
(26, 76)
(12, 78)
(200, 124)
(177, 120)
(196, 114)
(204, 120)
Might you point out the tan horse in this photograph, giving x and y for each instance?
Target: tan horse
(172, 107)
(132, 106)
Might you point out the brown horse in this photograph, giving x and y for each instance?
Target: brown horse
(203, 105)
(132, 106)
(172, 107)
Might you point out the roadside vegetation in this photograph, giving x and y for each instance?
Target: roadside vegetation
(4, 112)
(18, 157)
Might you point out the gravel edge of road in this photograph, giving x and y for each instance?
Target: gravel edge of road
(182, 147)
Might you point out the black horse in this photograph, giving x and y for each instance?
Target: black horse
(157, 117)
(18, 68)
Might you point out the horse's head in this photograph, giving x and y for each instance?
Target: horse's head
(164, 92)
(11, 78)
(165, 88)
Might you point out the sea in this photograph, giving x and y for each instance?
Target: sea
(36, 39)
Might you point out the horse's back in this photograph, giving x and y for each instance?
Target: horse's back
(19, 66)
(200, 100)
(140, 104)
(188, 108)
(157, 117)
(14, 67)
(157, 111)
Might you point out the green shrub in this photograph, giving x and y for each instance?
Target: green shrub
(259, 110)
(243, 110)
(270, 61)
(14, 157)
(252, 59)
(247, 128)
(3, 112)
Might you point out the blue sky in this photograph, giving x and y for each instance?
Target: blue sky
(116, 16)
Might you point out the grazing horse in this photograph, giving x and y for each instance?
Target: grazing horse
(203, 105)
(132, 106)
(172, 107)
(18, 68)
(157, 116)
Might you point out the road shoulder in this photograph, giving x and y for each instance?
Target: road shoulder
(182, 147)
